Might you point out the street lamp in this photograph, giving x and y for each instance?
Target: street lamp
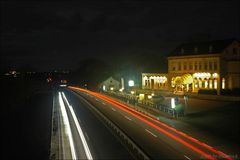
(130, 83)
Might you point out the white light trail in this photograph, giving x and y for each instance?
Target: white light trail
(67, 126)
(85, 145)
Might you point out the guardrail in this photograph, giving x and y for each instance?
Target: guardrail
(155, 107)
(131, 145)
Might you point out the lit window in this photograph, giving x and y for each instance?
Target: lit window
(200, 83)
(206, 83)
(210, 83)
(215, 84)
(223, 83)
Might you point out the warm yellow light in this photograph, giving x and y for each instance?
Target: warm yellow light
(141, 96)
(152, 94)
(223, 83)
(206, 84)
(215, 84)
(111, 88)
(215, 75)
(132, 92)
(210, 84)
(149, 96)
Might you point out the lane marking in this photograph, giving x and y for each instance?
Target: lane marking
(114, 109)
(187, 157)
(151, 133)
(128, 118)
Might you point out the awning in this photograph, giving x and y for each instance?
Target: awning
(187, 79)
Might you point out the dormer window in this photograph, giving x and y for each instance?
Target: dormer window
(182, 51)
(210, 48)
(195, 49)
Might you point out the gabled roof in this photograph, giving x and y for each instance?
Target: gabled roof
(110, 78)
(204, 47)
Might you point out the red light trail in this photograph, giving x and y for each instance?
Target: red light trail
(144, 118)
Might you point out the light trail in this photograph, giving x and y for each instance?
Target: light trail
(80, 132)
(173, 129)
(67, 126)
(114, 102)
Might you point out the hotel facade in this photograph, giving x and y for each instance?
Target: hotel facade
(213, 65)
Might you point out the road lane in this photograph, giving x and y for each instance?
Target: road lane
(202, 149)
(102, 143)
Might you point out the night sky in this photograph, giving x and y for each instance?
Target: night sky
(50, 35)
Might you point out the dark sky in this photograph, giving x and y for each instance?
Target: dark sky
(57, 35)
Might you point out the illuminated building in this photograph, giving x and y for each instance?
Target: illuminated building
(154, 81)
(205, 65)
(110, 84)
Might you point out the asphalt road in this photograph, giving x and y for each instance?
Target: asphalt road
(157, 139)
(102, 143)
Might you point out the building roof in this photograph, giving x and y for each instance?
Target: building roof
(204, 47)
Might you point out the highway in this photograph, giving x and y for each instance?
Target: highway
(157, 139)
(81, 135)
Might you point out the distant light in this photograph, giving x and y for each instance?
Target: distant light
(62, 85)
(132, 92)
(104, 87)
(130, 83)
(121, 89)
(149, 97)
(111, 88)
(152, 94)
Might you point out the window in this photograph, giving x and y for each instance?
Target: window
(215, 84)
(173, 68)
(182, 50)
(210, 48)
(223, 83)
(185, 66)
(200, 66)
(195, 66)
(210, 65)
(205, 65)
(215, 65)
(179, 66)
(190, 66)
(195, 49)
